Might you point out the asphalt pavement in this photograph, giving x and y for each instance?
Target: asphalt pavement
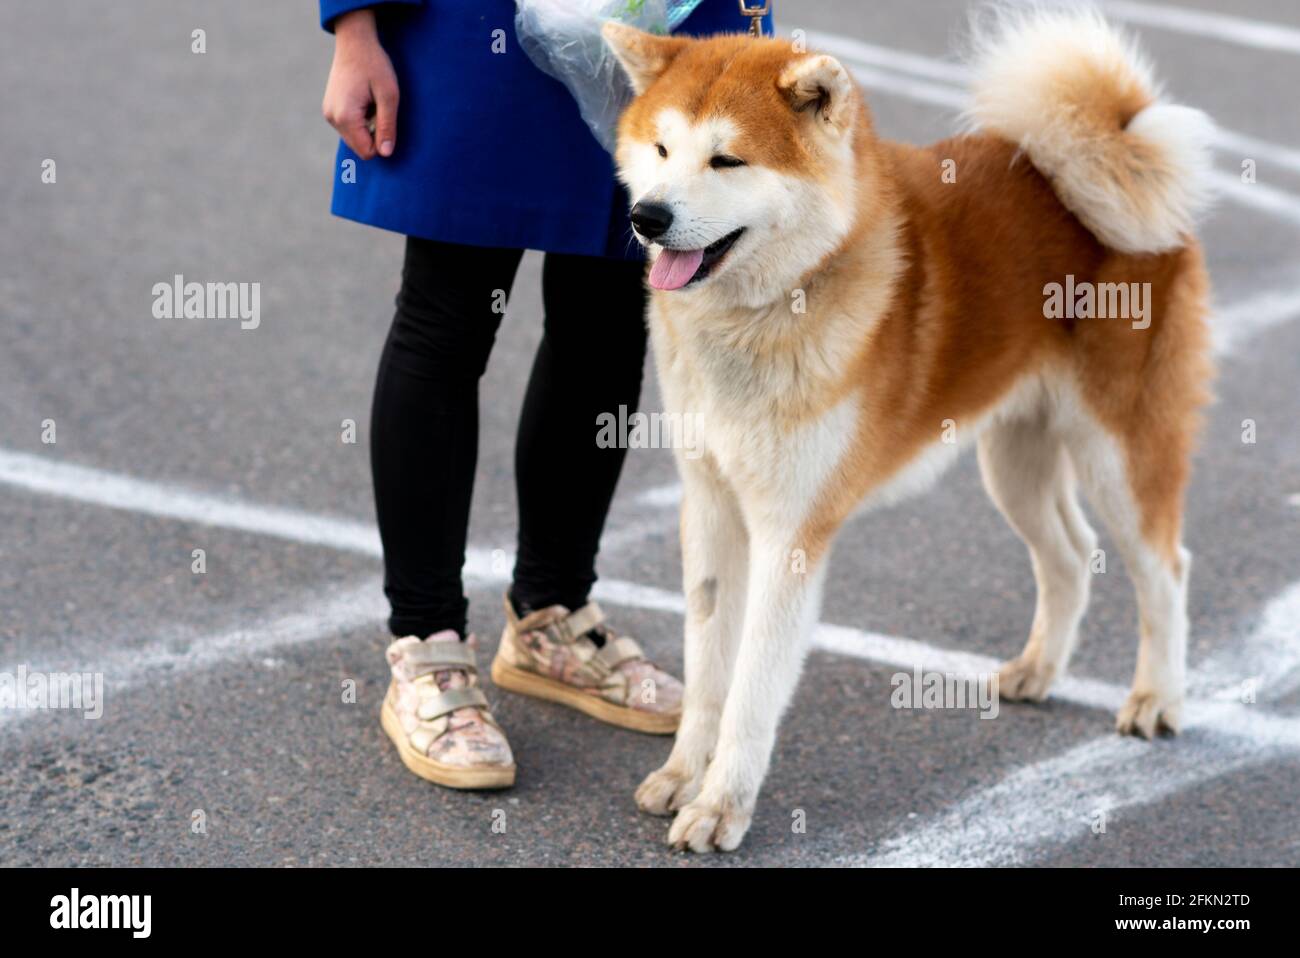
(228, 736)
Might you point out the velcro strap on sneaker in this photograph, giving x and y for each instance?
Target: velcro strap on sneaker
(579, 623)
(432, 656)
(436, 706)
(616, 651)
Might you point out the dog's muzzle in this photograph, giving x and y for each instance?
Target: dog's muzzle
(651, 220)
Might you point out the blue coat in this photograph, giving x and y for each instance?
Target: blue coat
(490, 150)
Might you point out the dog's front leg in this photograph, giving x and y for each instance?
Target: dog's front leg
(714, 566)
(780, 610)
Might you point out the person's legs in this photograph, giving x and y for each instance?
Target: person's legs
(424, 425)
(589, 362)
(556, 645)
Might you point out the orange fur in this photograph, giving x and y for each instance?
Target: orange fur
(923, 312)
(966, 322)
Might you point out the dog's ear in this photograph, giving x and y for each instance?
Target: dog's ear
(820, 86)
(644, 56)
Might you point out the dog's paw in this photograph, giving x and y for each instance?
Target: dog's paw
(666, 790)
(1147, 712)
(709, 825)
(1024, 679)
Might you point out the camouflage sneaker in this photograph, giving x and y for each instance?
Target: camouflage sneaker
(438, 717)
(550, 654)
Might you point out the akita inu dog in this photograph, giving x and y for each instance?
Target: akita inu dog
(832, 307)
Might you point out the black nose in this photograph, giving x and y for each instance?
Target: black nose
(651, 219)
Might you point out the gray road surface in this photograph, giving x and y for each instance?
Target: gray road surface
(224, 689)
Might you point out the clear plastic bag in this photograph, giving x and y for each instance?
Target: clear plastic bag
(562, 37)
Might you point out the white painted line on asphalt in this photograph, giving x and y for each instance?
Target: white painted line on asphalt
(1264, 152)
(492, 567)
(952, 73)
(1257, 34)
(1267, 664)
(924, 91)
(1029, 810)
(1050, 802)
(669, 494)
(1054, 801)
(363, 606)
(1237, 323)
(944, 83)
(1260, 196)
(102, 488)
(179, 653)
(632, 534)
(483, 566)
(1221, 676)
(907, 654)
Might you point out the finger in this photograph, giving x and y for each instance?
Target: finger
(386, 118)
(354, 133)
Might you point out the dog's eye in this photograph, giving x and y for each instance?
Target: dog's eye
(721, 162)
(662, 150)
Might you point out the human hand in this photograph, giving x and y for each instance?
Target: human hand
(361, 84)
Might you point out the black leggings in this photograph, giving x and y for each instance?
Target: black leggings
(424, 424)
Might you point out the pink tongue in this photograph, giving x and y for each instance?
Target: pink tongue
(674, 268)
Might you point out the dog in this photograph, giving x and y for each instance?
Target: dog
(843, 314)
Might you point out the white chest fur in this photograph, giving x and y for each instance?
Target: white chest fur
(750, 407)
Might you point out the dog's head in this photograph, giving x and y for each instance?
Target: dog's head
(739, 155)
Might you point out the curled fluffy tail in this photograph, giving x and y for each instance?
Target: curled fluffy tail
(1078, 97)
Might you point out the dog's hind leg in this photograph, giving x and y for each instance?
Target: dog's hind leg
(1139, 499)
(1131, 439)
(714, 564)
(1029, 477)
